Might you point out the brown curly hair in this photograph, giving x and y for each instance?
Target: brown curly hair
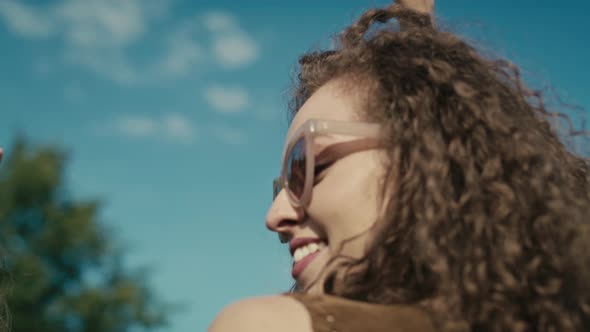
(488, 226)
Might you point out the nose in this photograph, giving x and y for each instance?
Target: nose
(282, 217)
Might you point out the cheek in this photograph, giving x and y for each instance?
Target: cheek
(346, 200)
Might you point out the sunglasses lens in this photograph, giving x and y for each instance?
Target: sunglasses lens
(276, 188)
(296, 168)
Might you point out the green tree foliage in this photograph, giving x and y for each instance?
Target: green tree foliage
(62, 271)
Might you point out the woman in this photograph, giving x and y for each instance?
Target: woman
(423, 189)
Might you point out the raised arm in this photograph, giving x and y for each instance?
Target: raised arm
(422, 6)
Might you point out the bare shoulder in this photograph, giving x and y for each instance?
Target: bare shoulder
(263, 314)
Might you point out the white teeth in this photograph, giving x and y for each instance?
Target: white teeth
(297, 255)
(313, 248)
(302, 252)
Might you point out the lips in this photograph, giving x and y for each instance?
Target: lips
(300, 266)
(300, 263)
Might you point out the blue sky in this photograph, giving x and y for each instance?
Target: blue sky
(174, 112)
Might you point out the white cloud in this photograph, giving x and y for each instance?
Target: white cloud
(112, 64)
(136, 126)
(172, 126)
(227, 99)
(231, 45)
(178, 127)
(102, 35)
(25, 20)
(97, 34)
(228, 135)
(91, 23)
(183, 54)
(219, 22)
(235, 50)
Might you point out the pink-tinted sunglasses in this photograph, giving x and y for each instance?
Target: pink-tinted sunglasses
(299, 161)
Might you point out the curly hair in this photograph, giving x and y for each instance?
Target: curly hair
(487, 228)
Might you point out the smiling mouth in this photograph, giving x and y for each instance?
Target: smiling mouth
(304, 255)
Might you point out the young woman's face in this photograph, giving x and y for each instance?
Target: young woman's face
(344, 200)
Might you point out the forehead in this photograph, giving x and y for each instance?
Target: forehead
(332, 101)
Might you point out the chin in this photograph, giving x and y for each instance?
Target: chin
(311, 281)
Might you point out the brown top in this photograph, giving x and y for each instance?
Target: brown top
(335, 314)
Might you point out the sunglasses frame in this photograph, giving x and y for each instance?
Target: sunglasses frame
(308, 131)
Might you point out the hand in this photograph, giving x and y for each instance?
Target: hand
(422, 6)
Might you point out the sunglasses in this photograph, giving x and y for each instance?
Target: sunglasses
(300, 163)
